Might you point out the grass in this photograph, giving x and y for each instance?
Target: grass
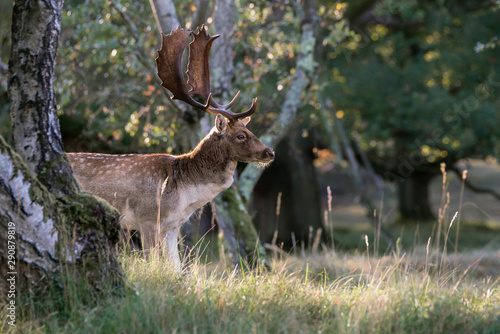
(419, 287)
(327, 292)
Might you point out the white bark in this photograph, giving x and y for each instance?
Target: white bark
(53, 231)
(37, 137)
(165, 15)
(33, 222)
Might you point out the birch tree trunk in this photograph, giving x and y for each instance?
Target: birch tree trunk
(54, 227)
(37, 137)
(165, 15)
(222, 58)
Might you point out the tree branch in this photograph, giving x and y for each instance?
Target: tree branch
(476, 188)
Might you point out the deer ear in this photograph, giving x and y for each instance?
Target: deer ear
(220, 123)
(246, 120)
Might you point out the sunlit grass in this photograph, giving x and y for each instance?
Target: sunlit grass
(326, 292)
(417, 286)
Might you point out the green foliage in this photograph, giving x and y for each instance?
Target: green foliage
(108, 95)
(421, 90)
(266, 46)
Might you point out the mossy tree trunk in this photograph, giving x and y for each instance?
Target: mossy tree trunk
(56, 228)
(53, 234)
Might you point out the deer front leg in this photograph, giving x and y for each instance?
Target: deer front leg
(148, 238)
(168, 242)
(172, 249)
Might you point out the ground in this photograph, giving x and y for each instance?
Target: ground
(482, 209)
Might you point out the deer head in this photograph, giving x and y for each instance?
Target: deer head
(230, 127)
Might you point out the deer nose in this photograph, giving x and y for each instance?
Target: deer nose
(270, 153)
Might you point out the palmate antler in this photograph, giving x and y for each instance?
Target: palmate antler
(170, 72)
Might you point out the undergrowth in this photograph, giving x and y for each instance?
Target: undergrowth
(327, 292)
(430, 287)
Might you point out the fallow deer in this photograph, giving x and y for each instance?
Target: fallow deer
(156, 193)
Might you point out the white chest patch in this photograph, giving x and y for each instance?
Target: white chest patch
(195, 196)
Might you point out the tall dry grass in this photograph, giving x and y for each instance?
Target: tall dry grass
(417, 288)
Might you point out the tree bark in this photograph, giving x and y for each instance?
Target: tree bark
(222, 58)
(240, 237)
(201, 14)
(165, 15)
(37, 137)
(239, 233)
(54, 236)
(58, 230)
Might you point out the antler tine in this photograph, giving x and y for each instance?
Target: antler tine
(233, 117)
(249, 112)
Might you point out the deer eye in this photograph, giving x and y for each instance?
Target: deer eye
(240, 137)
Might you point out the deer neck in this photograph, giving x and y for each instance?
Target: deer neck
(208, 163)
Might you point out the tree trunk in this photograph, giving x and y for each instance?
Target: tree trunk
(413, 195)
(57, 230)
(50, 236)
(37, 137)
(240, 236)
(294, 176)
(201, 14)
(222, 58)
(165, 15)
